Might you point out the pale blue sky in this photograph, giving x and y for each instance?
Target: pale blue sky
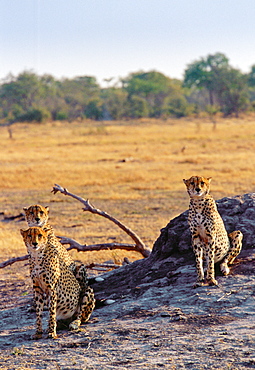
(111, 38)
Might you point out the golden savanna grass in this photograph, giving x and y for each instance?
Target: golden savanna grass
(132, 170)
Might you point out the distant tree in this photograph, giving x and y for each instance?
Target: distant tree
(210, 80)
(94, 109)
(51, 98)
(251, 85)
(78, 94)
(251, 77)
(212, 111)
(115, 102)
(177, 106)
(227, 87)
(202, 74)
(35, 114)
(138, 107)
(232, 91)
(20, 94)
(154, 87)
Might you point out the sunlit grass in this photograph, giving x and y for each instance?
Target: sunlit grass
(132, 170)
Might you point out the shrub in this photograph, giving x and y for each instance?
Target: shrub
(138, 107)
(61, 116)
(35, 114)
(177, 106)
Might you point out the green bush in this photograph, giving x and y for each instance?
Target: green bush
(138, 107)
(35, 114)
(177, 107)
(94, 110)
(61, 116)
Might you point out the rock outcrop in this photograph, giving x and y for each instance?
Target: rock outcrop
(172, 250)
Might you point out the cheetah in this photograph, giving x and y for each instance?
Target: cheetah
(209, 236)
(53, 279)
(37, 215)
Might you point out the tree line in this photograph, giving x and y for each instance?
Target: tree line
(210, 85)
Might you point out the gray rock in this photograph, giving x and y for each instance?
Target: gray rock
(172, 253)
(238, 213)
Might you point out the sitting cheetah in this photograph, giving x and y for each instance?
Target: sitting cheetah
(209, 237)
(53, 279)
(37, 216)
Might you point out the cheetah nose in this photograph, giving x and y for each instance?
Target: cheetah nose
(37, 219)
(35, 244)
(197, 190)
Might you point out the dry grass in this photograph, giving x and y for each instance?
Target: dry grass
(133, 170)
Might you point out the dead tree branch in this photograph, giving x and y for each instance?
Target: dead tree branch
(139, 245)
(102, 266)
(13, 260)
(106, 266)
(80, 248)
(97, 247)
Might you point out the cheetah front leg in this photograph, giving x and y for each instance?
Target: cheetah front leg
(235, 247)
(198, 251)
(52, 325)
(38, 301)
(210, 251)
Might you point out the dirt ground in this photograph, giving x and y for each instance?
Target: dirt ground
(137, 177)
(166, 326)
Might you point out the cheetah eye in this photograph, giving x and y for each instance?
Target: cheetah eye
(202, 183)
(40, 236)
(192, 183)
(41, 213)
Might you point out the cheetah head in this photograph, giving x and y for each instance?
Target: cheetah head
(198, 187)
(36, 215)
(35, 238)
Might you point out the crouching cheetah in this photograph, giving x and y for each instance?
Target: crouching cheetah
(209, 237)
(53, 279)
(37, 216)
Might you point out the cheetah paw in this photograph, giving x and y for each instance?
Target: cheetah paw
(52, 336)
(224, 269)
(199, 283)
(37, 335)
(213, 282)
(75, 325)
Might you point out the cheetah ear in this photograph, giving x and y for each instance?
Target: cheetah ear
(47, 209)
(209, 179)
(22, 232)
(25, 208)
(47, 231)
(185, 181)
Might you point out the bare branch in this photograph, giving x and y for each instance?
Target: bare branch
(139, 245)
(13, 260)
(94, 266)
(102, 266)
(98, 247)
(80, 248)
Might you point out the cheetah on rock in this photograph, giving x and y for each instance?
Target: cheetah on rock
(210, 240)
(52, 279)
